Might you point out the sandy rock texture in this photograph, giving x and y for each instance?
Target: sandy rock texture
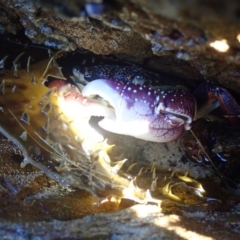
(178, 37)
(193, 41)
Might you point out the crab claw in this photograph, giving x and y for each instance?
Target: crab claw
(143, 112)
(73, 97)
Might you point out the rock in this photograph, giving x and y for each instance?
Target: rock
(189, 40)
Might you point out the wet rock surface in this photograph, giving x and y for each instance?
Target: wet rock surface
(132, 223)
(27, 194)
(175, 38)
(182, 35)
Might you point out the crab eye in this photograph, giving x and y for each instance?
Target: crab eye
(77, 72)
(78, 76)
(88, 74)
(139, 79)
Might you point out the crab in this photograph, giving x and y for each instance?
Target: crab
(36, 114)
(139, 105)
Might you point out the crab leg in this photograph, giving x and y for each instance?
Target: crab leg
(210, 96)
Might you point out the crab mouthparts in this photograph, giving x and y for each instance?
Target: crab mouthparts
(106, 102)
(92, 107)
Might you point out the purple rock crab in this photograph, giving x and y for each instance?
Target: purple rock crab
(48, 118)
(151, 110)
